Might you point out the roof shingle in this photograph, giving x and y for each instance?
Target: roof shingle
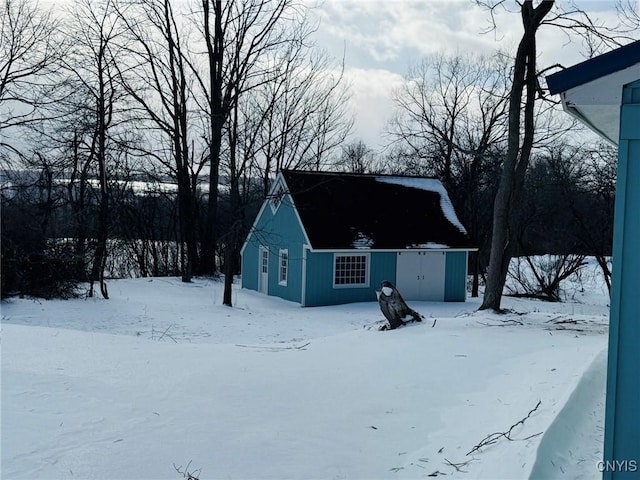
(352, 211)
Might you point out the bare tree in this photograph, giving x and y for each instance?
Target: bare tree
(450, 110)
(525, 89)
(218, 100)
(159, 82)
(602, 184)
(629, 14)
(291, 116)
(518, 153)
(357, 157)
(451, 123)
(236, 167)
(541, 277)
(29, 51)
(588, 190)
(303, 114)
(95, 42)
(240, 38)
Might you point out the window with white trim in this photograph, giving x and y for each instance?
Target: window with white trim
(277, 196)
(264, 263)
(351, 270)
(284, 267)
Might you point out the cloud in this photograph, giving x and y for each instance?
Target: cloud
(384, 31)
(372, 102)
(381, 39)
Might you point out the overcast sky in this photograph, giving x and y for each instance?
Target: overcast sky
(381, 39)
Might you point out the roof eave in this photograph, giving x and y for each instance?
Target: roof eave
(591, 91)
(596, 102)
(578, 114)
(594, 68)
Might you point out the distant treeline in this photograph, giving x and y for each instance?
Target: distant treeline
(152, 130)
(48, 240)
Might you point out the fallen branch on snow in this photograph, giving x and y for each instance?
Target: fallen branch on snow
(494, 437)
(458, 466)
(164, 334)
(557, 321)
(185, 473)
(504, 323)
(270, 347)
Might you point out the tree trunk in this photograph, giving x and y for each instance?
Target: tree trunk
(229, 270)
(100, 258)
(509, 195)
(215, 54)
(104, 112)
(186, 229)
(475, 267)
(231, 247)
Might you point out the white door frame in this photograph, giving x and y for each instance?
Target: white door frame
(263, 269)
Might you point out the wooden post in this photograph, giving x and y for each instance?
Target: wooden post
(622, 422)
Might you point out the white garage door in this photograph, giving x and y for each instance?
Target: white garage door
(420, 275)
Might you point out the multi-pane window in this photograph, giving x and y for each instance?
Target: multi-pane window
(284, 267)
(351, 270)
(264, 264)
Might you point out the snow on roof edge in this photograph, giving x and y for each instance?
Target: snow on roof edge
(431, 185)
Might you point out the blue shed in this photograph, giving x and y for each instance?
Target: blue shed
(604, 93)
(324, 238)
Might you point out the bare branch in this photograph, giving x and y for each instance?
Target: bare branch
(494, 437)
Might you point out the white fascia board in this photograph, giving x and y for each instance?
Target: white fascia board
(295, 210)
(265, 203)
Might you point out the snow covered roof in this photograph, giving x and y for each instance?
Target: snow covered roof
(353, 211)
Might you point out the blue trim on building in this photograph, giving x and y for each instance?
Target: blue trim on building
(455, 279)
(594, 68)
(622, 424)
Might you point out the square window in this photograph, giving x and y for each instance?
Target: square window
(351, 270)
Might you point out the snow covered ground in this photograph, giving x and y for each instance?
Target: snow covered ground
(162, 378)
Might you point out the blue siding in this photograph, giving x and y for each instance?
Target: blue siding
(320, 290)
(622, 424)
(249, 267)
(455, 280)
(281, 230)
